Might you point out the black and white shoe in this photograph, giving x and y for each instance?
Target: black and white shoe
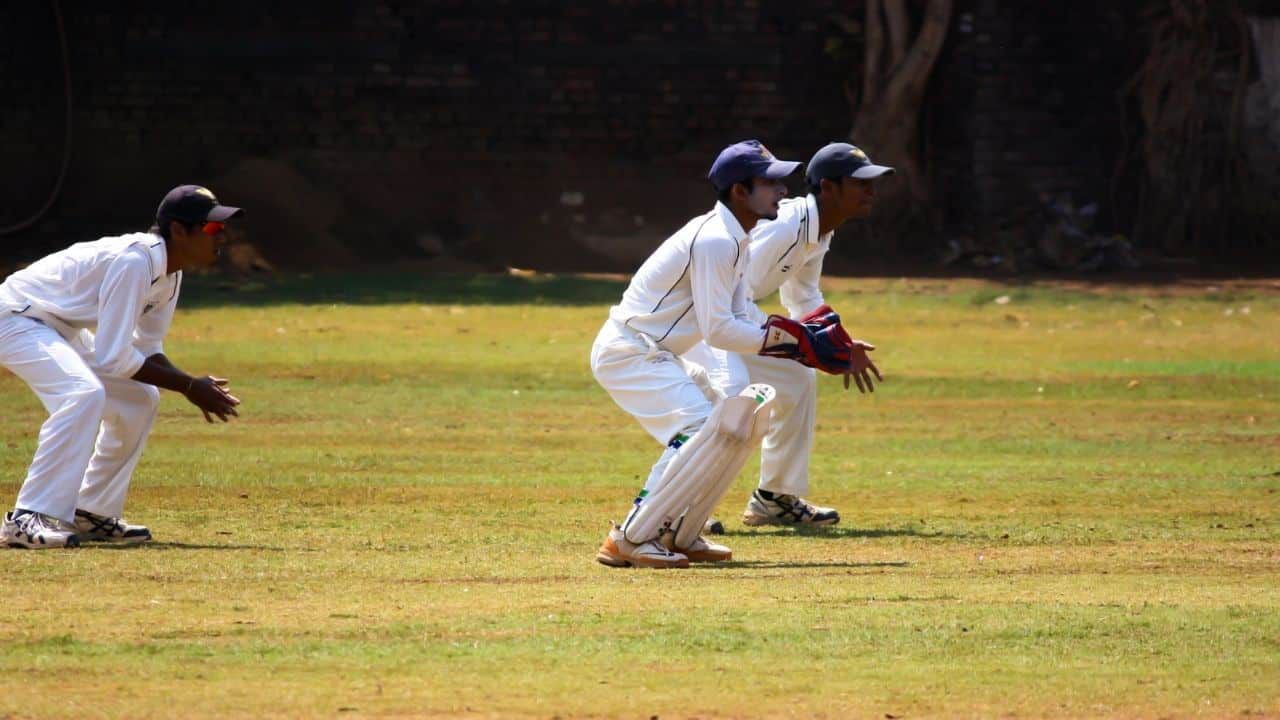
(27, 529)
(766, 508)
(99, 528)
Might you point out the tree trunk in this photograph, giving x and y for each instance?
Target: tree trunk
(887, 110)
(1266, 43)
(1198, 194)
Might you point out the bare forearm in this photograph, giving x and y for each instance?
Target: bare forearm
(158, 371)
(206, 392)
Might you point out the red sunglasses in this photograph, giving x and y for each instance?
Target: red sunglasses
(213, 228)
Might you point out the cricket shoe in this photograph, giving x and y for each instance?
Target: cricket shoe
(99, 528)
(700, 550)
(617, 551)
(27, 529)
(766, 508)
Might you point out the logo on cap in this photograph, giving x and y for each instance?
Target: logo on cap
(764, 152)
(207, 193)
(859, 154)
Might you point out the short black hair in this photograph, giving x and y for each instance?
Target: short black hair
(723, 195)
(161, 227)
(815, 189)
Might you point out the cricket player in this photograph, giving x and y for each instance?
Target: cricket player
(84, 328)
(693, 289)
(786, 257)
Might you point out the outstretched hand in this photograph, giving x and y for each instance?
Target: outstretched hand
(212, 396)
(860, 367)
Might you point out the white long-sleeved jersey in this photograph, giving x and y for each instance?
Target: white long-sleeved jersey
(111, 296)
(786, 257)
(693, 288)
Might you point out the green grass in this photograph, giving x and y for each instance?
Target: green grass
(1063, 505)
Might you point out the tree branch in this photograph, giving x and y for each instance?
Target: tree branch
(871, 56)
(895, 12)
(911, 76)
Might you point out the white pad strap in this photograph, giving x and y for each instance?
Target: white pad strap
(701, 472)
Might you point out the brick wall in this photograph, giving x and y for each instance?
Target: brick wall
(1046, 114)
(533, 133)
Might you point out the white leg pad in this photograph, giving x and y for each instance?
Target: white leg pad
(701, 472)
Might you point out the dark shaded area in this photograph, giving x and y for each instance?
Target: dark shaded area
(799, 565)
(842, 532)
(538, 134)
(389, 287)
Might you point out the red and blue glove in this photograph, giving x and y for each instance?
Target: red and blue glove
(818, 340)
(810, 343)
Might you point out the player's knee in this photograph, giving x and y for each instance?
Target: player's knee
(141, 404)
(148, 399)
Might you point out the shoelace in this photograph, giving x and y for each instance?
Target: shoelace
(794, 505)
(107, 525)
(33, 525)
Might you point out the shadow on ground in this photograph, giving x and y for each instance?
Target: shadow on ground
(797, 564)
(838, 532)
(161, 545)
(395, 287)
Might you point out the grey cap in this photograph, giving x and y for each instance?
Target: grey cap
(843, 160)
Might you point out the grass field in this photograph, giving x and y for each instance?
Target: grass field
(1066, 503)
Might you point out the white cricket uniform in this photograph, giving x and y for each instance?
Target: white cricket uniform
(75, 326)
(786, 257)
(691, 289)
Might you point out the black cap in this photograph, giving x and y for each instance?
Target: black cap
(843, 160)
(193, 204)
(745, 160)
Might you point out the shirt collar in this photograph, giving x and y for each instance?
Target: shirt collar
(158, 250)
(731, 223)
(811, 207)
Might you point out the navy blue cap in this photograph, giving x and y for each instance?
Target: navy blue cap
(843, 160)
(193, 204)
(745, 160)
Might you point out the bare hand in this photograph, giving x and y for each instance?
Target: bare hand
(859, 365)
(211, 395)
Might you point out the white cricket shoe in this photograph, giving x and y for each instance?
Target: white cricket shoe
(99, 528)
(766, 508)
(617, 551)
(27, 529)
(700, 550)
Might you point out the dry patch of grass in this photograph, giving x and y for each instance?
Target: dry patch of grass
(1072, 513)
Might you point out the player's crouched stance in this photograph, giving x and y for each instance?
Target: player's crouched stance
(84, 328)
(690, 290)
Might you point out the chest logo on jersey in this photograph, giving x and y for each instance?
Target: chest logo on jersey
(786, 268)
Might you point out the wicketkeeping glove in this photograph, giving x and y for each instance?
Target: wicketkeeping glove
(861, 368)
(818, 342)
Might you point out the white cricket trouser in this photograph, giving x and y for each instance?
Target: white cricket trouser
(784, 456)
(96, 429)
(652, 385)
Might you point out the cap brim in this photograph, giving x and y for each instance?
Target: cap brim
(222, 213)
(779, 169)
(869, 172)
